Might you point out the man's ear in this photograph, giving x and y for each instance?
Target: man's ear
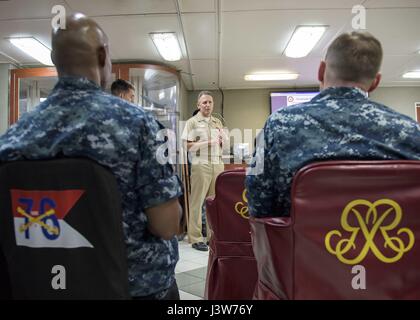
(101, 53)
(375, 82)
(321, 71)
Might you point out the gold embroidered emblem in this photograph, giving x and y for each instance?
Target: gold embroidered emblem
(242, 207)
(373, 222)
(37, 220)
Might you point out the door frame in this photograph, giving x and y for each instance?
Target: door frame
(121, 70)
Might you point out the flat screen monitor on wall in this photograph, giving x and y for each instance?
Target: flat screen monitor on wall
(284, 99)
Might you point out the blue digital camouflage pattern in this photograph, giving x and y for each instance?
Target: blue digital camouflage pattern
(337, 124)
(79, 119)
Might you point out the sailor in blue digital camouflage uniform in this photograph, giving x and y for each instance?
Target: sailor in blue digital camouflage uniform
(338, 123)
(79, 119)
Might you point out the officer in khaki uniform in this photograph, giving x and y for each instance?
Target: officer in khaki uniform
(205, 137)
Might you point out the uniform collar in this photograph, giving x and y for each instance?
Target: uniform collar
(200, 117)
(341, 93)
(76, 83)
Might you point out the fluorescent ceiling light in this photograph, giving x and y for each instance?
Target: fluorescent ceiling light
(304, 40)
(412, 75)
(34, 48)
(167, 45)
(271, 76)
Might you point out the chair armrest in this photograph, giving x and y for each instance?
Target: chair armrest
(210, 201)
(211, 211)
(272, 243)
(272, 221)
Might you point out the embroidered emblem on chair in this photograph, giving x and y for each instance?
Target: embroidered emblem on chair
(378, 223)
(39, 219)
(242, 207)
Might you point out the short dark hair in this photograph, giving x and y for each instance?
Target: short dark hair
(195, 112)
(120, 86)
(355, 57)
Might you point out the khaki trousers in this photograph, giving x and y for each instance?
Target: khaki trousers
(203, 183)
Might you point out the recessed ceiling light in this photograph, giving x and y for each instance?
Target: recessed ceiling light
(167, 44)
(304, 40)
(412, 75)
(34, 48)
(271, 76)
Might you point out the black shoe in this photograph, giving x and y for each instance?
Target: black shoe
(200, 246)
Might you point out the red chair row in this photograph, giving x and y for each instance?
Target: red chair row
(353, 233)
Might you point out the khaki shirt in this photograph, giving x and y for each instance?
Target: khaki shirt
(199, 128)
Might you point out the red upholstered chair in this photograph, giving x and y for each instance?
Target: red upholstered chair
(232, 270)
(346, 216)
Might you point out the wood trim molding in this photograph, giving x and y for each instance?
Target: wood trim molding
(121, 70)
(15, 76)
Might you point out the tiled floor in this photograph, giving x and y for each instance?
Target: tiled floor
(190, 271)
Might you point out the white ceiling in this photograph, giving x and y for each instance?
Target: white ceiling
(226, 39)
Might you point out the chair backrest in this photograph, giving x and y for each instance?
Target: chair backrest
(230, 219)
(353, 233)
(232, 270)
(61, 231)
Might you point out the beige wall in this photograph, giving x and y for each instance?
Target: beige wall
(400, 99)
(242, 108)
(251, 108)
